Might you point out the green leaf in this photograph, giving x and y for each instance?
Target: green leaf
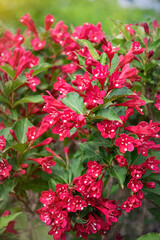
(122, 29)
(154, 45)
(5, 220)
(20, 129)
(75, 165)
(108, 114)
(119, 173)
(4, 100)
(92, 50)
(52, 184)
(103, 58)
(20, 147)
(58, 172)
(114, 63)
(75, 102)
(119, 93)
(6, 133)
(150, 236)
(11, 86)
(36, 185)
(41, 68)
(139, 159)
(7, 187)
(80, 59)
(155, 190)
(30, 99)
(145, 99)
(8, 69)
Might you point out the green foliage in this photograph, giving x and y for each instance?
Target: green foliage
(75, 102)
(150, 236)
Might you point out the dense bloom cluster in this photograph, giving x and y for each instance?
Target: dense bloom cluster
(60, 205)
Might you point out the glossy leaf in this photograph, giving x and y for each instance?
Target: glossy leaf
(20, 129)
(5, 220)
(75, 102)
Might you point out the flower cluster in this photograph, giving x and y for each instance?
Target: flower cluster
(76, 133)
(61, 206)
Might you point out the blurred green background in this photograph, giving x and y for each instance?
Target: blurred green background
(74, 12)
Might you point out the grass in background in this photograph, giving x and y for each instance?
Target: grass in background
(74, 12)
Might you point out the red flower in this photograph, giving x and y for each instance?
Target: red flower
(121, 160)
(89, 32)
(27, 21)
(63, 87)
(125, 143)
(94, 97)
(130, 29)
(32, 80)
(94, 169)
(5, 168)
(37, 44)
(75, 203)
(151, 164)
(47, 197)
(107, 128)
(136, 48)
(110, 50)
(135, 102)
(45, 162)
(157, 103)
(62, 191)
(10, 227)
(131, 203)
(81, 82)
(2, 142)
(49, 20)
(101, 72)
(135, 185)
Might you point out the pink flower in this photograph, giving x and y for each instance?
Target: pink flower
(110, 50)
(27, 21)
(31, 133)
(37, 44)
(49, 20)
(145, 130)
(63, 87)
(151, 164)
(89, 32)
(136, 48)
(125, 143)
(62, 191)
(81, 82)
(45, 162)
(32, 80)
(101, 72)
(2, 142)
(94, 169)
(47, 197)
(135, 102)
(130, 29)
(157, 103)
(107, 128)
(75, 203)
(121, 160)
(135, 184)
(131, 203)
(94, 97)
(5, 168)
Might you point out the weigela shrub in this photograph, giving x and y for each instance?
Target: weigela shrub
(79, 113)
